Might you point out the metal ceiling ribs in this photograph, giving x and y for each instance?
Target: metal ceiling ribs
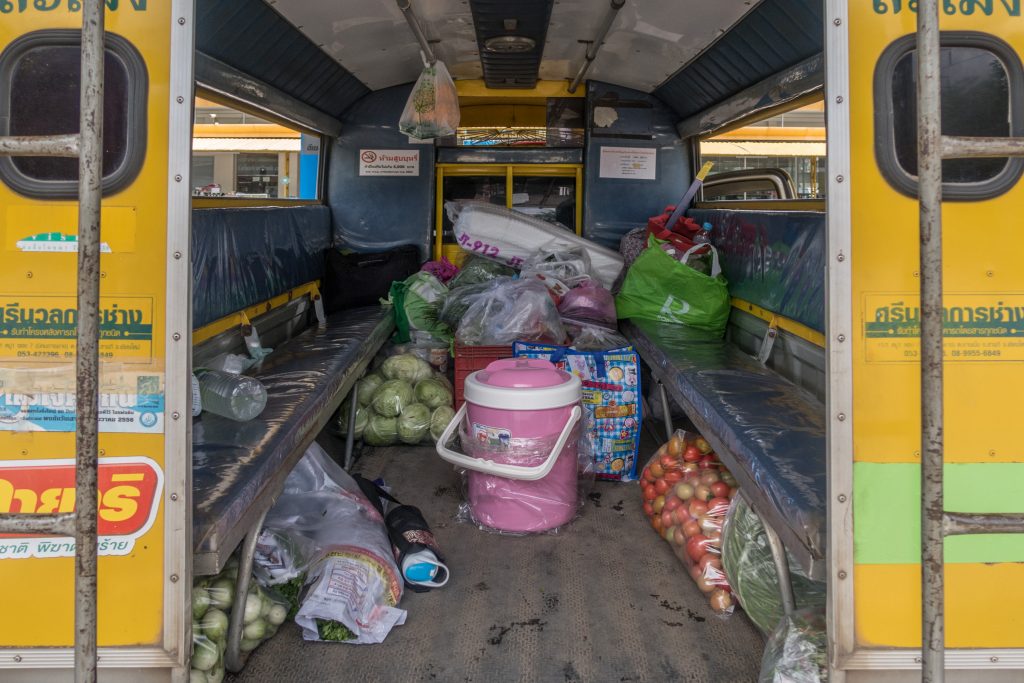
(492, 18)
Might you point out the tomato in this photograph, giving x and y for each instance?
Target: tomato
(684, 491)
(650, 493)
(672, 476)
(648, 510)
(695, 573)
(672, 502)
(696, 546)
(669, 533)
(691, 528)
(691, 454)
(668, 462)
(689, 468)
(733, 492)
(697, 507)
(720, 489)
(708, 462)
(709, 524)
(658, 503)
(656, 470)
(709, 477)
(675, 446)
(656, 523)
(720, 600)
(709, 560)
(682, 515)
(702, 445)
(718, 506)
(678, 537)
(702, 492)
(715, 536)
(666, 519)
(647, 476)
(661, 486)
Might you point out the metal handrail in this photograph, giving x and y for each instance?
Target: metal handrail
(82, 523)
(936, 523)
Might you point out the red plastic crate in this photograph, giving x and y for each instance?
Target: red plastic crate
(472, 358)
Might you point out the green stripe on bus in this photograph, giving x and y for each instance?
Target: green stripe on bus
(887, 502)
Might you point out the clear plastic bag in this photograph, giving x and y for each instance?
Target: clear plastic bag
(517, 507)
(797, 651)
(511, 310)
(352, 585)
(568, 265)
(687, 493)
(748, 561)
(212, 602)
(432, 110)
(459, 300)
(594, 338)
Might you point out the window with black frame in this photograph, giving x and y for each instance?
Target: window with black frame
(981, 85)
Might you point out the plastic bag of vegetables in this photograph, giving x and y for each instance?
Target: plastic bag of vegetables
(416, 300)
(212, 603)
(353, 585)
(748, 562)
(687, 493)
(797, 650)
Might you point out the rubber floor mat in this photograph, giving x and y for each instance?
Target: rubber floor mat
(601, 600)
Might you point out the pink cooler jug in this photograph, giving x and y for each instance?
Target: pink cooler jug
(520, 416)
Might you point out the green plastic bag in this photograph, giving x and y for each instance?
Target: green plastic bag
(416, 301)
(658, 287)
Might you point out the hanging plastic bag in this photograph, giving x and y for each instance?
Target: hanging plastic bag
(432, 110)
(658, 287)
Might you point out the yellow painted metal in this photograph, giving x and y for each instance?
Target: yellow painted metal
(887, 600)
(239, 318)
(983, 373)
(476, 88)
(243, 130)
(793, 327)
(510, 171)
(37, 593)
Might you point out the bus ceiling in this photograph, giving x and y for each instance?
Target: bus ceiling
(691, 56)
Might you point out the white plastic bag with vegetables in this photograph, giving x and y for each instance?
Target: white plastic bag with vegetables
(432, 110)
(352, 583)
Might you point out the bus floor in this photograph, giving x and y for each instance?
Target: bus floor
(604, 599)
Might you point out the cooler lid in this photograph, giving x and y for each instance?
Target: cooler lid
(522, 384)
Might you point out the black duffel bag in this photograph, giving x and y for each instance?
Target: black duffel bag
(353, 280)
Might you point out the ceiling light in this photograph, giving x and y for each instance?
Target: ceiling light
(510, 44)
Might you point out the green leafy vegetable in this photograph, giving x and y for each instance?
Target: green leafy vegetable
(334, 631)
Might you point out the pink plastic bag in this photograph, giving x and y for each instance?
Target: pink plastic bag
(589, 303)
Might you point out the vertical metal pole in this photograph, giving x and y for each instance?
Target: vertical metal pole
(929, 172)
(90, 176)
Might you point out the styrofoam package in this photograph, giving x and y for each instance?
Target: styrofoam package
(510, 237)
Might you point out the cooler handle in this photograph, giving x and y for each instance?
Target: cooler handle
(499, 469)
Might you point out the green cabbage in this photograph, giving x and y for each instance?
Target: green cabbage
(381, 431)
(361, 418)
(406, 366)
(413, 423)
(366, 386)
(440, 419)
(432, 393)
(391, 397)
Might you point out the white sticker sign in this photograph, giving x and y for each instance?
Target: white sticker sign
(636, 163)
(389, 162)
(310, 144)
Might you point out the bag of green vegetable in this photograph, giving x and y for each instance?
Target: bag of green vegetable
(797, 650)
(352, 586)
(432, 110)
(747, 560)
(477, 269)
(416, 301)
(212, 603)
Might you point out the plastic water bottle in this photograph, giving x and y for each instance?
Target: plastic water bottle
(704, 236)
(424, 569)
(235, 397)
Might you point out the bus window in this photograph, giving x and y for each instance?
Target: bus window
(237, 154)
(39, 95)
(974, 68)
(749, 159)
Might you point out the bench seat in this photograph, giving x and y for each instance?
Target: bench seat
(769, 432)
(238, 468)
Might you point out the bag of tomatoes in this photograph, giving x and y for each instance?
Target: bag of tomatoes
(687, 493)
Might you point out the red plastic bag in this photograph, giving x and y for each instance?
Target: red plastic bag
(687, 493)
(681, 234)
